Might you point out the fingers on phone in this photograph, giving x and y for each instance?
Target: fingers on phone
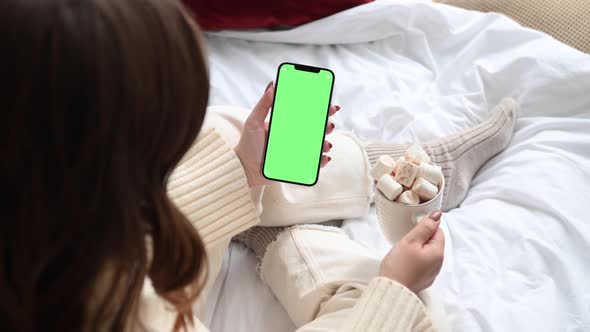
(334, 109)
(271, 83)
(325, 160)
(330, 128)
(327, 146)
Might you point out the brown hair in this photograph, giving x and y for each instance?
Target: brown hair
(101, 99)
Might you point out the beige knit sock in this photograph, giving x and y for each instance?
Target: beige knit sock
(258, 238)
(460, 155)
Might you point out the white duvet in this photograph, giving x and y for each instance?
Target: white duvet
(518, 248)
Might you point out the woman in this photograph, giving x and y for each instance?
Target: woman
(103, 100)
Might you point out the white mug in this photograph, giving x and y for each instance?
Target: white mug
(397, 219)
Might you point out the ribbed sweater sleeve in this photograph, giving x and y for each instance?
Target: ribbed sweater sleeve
(210, 187)
(387, 306)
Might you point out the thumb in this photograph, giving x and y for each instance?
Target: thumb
(263, 106)
(424, 230)
(437, 240)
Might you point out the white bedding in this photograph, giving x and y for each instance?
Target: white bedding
(517, 250)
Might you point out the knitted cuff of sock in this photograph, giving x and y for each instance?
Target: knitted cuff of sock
(258, 238)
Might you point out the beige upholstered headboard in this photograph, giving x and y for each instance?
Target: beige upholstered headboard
(565, 20)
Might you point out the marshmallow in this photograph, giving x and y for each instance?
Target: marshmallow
(389, 187)
(405, 172)
(408, 197)
(397, 162)
(384, 165)
(424, 189)
(417, 155)
(431, 173)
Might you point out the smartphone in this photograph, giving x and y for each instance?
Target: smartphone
(298, 121)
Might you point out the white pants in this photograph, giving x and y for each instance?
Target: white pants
(316, 272)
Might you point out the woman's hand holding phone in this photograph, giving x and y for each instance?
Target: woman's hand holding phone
(250, 148)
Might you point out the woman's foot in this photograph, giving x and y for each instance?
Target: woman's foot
(462, 154)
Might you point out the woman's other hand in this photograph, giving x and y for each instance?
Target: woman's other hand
(416, 259)
(250, 148)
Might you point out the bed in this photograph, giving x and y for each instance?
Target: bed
(518, 248)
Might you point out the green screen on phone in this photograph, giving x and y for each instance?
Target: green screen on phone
(298, 124)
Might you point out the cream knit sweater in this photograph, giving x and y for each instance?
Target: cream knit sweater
(210, 187)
